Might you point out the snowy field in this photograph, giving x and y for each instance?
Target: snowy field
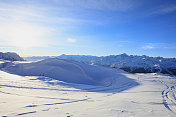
(34, 96)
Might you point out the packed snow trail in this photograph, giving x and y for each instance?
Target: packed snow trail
(27, 96)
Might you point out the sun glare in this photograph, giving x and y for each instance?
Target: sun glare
(23, 35)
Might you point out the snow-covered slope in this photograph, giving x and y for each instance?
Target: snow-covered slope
(5, 63)
(33, 96)
(69, 71)
(10, 56)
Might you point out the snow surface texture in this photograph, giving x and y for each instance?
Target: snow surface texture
(34, 96)
(70, 71)
(133, 64)
(10, 56)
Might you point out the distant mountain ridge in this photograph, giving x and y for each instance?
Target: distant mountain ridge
(129, 63)
(11, 56)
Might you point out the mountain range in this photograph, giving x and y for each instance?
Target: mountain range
(129, 63)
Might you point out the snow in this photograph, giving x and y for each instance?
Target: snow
(46, 97)
(56, 87)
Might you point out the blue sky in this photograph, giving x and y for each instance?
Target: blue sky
(89, 27)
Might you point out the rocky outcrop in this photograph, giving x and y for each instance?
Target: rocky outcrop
(10, 56)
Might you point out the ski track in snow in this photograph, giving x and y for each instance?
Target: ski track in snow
(168, 96)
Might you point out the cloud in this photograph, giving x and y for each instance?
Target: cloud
(161, 10)
(18, 12)
(148, 47)
(157, 46)
(71, 40)
(113, 5)
(46, 14)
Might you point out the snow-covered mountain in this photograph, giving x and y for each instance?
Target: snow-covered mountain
(129, 63)
(10, 56)
(133, 64)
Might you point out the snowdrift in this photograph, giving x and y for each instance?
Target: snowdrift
(69, 71)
